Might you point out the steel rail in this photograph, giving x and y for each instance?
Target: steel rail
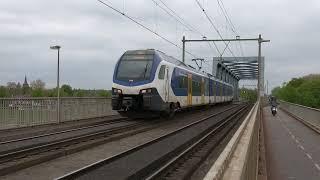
(86, 169)
(60, 143)
(113, 121)
(216, 129)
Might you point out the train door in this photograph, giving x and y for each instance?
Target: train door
(164, 82)
(202, 91)
(189, 99)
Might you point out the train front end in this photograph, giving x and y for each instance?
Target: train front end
(133, 88)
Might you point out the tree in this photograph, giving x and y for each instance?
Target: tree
(275, 91)
(104, 93)
(12, 86)
(248, 94)
(37, 92)
(38, 84)
(79, 93)
(296, 82)
(19, 89)
(37, 87)
(3, 91)
(304, 91)
(66, 90)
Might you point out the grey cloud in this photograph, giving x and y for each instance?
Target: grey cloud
(93, 37)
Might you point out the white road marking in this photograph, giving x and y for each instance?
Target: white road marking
(309, 156)
(301, 147)
(298, 145)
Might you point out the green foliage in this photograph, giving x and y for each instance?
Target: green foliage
(104, 93)
(66, 90)
(79, 93)
(51, 92)
(3, 91)
(304, 91)
(248, 94)
(38, 90)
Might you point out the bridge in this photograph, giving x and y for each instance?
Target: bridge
(86, 139)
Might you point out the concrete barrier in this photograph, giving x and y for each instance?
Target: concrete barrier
(239, 159)
(309, 116)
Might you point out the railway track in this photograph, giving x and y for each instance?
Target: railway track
(15, 156)
(22, 144)
(19, 133)
(63, 131)
(156, 158)
(183, 165)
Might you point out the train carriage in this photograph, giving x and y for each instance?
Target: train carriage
(150, 80)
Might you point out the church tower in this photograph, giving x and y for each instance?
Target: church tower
(25, 86)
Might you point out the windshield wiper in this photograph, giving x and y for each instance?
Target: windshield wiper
(145, 71)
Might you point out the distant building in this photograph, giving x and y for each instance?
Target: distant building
(25, 86)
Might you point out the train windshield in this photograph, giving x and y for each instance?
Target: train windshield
(135, 67)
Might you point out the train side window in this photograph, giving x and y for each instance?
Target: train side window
(183, 82)
(162, 72)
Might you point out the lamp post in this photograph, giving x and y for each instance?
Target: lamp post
(58, 80)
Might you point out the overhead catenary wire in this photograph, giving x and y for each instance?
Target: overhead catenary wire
(183, 22)
(214, 27)
(225, 14)
(179, 17)
(229, 21)
(144, 26)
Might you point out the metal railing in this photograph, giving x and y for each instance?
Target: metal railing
(21, 112)
(311, 116)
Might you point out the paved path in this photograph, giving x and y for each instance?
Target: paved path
(292, 149)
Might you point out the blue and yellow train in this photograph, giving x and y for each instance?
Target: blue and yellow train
(150, 80)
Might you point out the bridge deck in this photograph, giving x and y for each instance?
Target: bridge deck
(292, 149)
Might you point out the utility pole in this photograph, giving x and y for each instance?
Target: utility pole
(259, 65)
(58, 81)
(260, 41)
(220, 71)
(267, 87)
(183, 48)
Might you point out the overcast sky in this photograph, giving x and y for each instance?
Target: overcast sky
(93, 36)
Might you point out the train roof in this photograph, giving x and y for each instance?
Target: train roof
(173, 60)
(188, 67)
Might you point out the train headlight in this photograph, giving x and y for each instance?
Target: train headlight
(117, 91)
(144, 91)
